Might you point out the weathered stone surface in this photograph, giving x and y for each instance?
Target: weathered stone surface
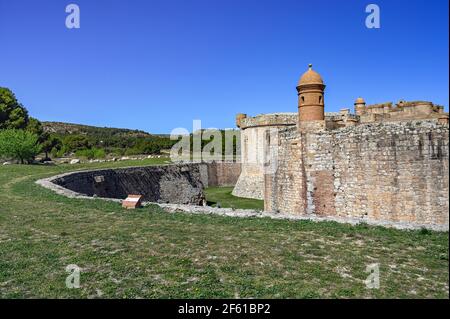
(389, 171)
(254, 133)
(403, 110)
(176, 183)
(166, 184)
(223, 173)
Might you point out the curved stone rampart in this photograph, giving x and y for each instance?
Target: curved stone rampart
(173, 183)
(180, 184)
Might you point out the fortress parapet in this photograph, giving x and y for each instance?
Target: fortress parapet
(239, 118)
(273, 120)
(403, 110)
(343, 118)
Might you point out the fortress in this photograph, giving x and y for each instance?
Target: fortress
(383, 162)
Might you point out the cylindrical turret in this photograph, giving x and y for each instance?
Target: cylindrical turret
(360, 106)
(310, 91)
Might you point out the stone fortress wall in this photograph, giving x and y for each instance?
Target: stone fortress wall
(221, 173)
(250, 183)
(380, 171)
(385, 162)
(253, 131)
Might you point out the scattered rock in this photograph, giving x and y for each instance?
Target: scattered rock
(75, 161)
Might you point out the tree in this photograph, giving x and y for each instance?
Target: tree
(50, 143)
(12, 114)
(74, 143)
(19, 144)
(35, 127)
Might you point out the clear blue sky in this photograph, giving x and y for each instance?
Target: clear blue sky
(157, 65)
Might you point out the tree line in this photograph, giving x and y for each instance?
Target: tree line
(23, 137)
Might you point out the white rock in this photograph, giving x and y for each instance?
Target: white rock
(75, 161)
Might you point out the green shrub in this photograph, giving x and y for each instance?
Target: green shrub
(132, 151)
(58, 152)
(19, 145)
(91, 153)
(73, 143)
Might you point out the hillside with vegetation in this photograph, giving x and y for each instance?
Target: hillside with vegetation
(23, 138)
(92, 141)
(62, 128)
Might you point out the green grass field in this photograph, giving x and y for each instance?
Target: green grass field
(222, 196)
(148, 253)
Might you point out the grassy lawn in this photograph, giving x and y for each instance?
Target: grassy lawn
(151, 254)
(223, 197)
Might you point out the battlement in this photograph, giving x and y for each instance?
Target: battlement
(381, 112)
(401, 105)
(274, 119)
(403, 110)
